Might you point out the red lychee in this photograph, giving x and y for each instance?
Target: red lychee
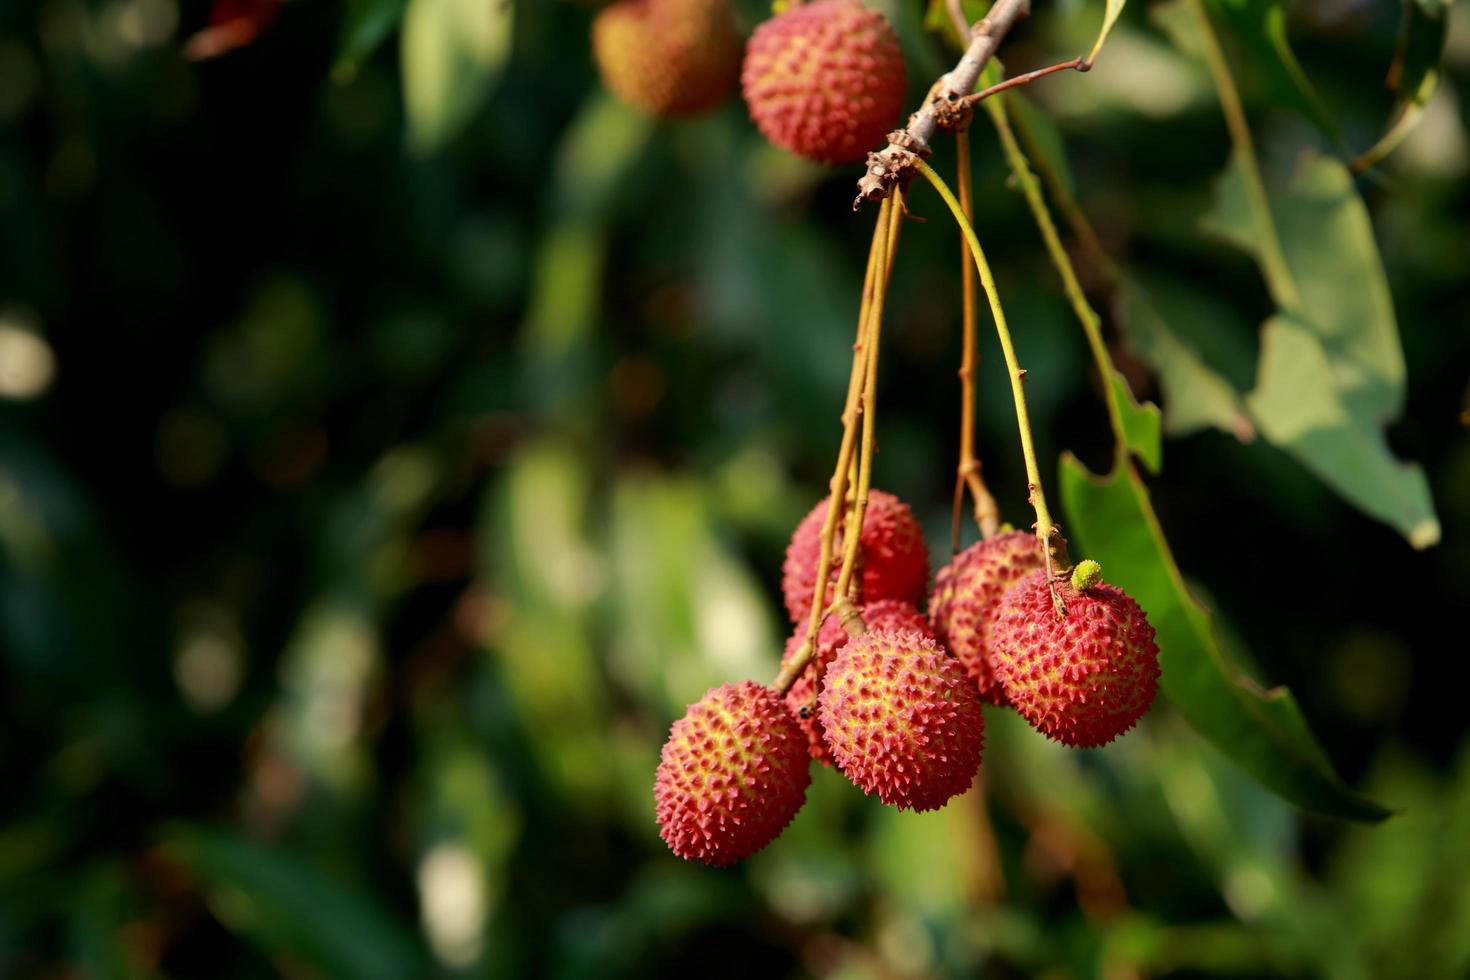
(1083, 678)
(885, 614)
(902, 720)
(966, 592)
(895, 560)
(733, 773)
(668, 57)
(825, 80)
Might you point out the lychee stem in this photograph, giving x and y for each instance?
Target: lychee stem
(870, 407)
(968, 473)
(875, 281)
(1053, 545)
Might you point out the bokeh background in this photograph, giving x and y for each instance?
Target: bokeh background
(377, 485)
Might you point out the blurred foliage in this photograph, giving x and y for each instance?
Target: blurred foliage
(397, 432)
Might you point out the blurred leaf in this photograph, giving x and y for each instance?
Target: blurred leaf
(1299, 408)
(1141, 424)
(1261, 26)
(1043, 141)
(453, 52)
(1333, 373)
(936, 18)
(365, 25)
(290, 909)
(1195, 394)
(1111, 10)
(687, 614)
(1262, 731)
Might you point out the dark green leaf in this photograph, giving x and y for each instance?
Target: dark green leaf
(1141, 424)
(1261, 731)
(289, 908)
(365, 25)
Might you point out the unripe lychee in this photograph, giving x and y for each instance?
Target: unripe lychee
(902, 720)
(733, 773)
(667, 57)
(825, 80)
(895, 560)
(885, 614)
(1083, 678)
(965, 594)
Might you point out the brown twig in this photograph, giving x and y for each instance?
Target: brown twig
(1080, 64)
(894, 164)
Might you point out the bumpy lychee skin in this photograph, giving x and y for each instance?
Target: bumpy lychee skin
(1083, 679)
(966, 592)
(885, 614)
(895, 560)
(825, 80)
(901, 719)
(668, 57)
(733, 773)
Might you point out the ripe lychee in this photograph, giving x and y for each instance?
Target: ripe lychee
(885, 614)
(668, 57)
(825, 80)
(902, 720)
(1083, 678)
(895, 560)
(733, 773)
(966, 592)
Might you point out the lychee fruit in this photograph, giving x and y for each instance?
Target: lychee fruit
(668, 57)
(894, 558)
(825, 80)
(885, 614)
(965, 594)
(1082, 678)
(732, 775)
(901, 719)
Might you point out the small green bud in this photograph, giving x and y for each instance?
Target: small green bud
(1087, 574)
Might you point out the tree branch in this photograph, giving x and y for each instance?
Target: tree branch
(895, 162)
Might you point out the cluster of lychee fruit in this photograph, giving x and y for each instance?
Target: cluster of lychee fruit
(894, 702)
(824, 79)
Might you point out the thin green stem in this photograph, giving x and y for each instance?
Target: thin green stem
(1091, 322)
(1279, 279)
(1046, 530)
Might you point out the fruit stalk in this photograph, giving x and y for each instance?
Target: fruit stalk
(887, 167)
(987, 514)
(847, 613)
(1053, 545)
(874, 283)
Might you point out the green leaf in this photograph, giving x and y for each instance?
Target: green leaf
(291, 909)
(1196, 396)
(1261, 26)
(453, 53)
(1111, 10)
(1263, 732)
(365, 25)
(1141, 424)
(936, 18)
(1300, 407)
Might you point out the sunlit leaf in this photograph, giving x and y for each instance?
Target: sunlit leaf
(1261, 731)
(290, 909)
(453, 52)
(1111, 10)
(1299, 407)
(1141, 424)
